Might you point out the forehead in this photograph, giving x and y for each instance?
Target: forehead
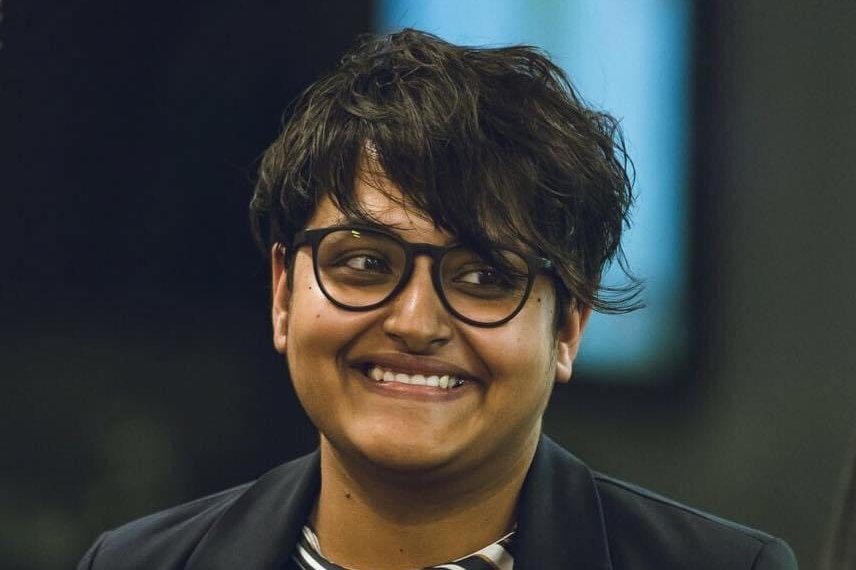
(440, 212)
(379, 201)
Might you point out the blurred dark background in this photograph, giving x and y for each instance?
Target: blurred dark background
(135, 362)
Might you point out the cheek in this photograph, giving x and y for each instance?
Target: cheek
(307, 299)
(537, 339)
(522, 351)
(536, 328)
(318, 331)
(309, 321)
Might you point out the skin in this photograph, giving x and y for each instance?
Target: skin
(405, 468)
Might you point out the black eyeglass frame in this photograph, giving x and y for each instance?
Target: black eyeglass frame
(313, 237)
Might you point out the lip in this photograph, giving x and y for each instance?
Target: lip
(411, 364)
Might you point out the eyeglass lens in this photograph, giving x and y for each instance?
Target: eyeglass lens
(360, 268)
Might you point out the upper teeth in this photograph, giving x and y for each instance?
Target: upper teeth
(445, 381)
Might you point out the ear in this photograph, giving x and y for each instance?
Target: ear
(281, 295)
(568, 342)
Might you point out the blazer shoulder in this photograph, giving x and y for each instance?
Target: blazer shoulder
(646, 529)
(164, 539)
(167, 539)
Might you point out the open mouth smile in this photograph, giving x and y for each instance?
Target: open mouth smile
(441, 381)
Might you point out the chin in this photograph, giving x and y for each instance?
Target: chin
(400, 453)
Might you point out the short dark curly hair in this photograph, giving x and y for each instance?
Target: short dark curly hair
(493, 144)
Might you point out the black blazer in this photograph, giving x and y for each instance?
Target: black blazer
(568, 517)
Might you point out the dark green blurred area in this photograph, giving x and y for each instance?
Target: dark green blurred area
(136, 369)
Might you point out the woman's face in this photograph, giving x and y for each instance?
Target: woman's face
(359, 375)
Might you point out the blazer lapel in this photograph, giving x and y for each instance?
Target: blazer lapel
(259, 530)
(560, 523)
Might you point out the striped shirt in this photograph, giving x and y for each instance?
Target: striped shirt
(496, 556)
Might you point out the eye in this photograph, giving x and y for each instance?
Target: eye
(366, 262)
(480, 276)
(486, 279)
(495, 275)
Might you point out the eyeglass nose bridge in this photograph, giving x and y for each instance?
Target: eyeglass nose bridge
(411, 252)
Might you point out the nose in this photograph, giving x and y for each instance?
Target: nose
(416, 318)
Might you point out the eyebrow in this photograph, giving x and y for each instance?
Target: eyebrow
(362, 221)
(370, 223)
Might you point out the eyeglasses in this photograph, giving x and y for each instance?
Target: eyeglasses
(360, 267)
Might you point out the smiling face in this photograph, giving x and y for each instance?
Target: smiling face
(366, 378)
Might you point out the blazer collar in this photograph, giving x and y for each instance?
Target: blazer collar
(259, 530)
(560, 522)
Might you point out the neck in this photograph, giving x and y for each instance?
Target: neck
(368, 517)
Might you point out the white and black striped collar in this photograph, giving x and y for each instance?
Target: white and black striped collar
(496, 556)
